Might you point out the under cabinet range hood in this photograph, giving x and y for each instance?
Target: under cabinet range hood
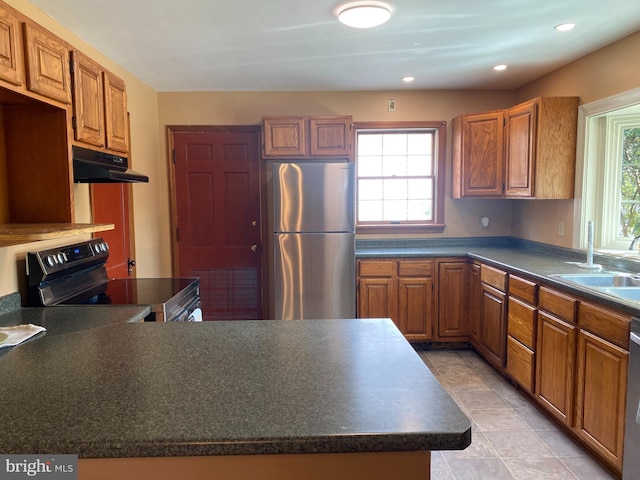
(91, 166)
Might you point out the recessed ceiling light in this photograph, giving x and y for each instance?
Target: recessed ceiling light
(408, 79)
(364, 14)
(565, 27)
(500, 67)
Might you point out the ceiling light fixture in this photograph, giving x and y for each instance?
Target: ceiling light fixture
(565, 27)
(408, 79)
(364, 14)
(500, 67)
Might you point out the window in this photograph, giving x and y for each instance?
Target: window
(400, 177)
(610, 190)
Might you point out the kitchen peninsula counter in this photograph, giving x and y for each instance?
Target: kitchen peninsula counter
(325, 395)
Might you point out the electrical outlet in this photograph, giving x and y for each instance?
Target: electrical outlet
(561, 229)
(391, 105)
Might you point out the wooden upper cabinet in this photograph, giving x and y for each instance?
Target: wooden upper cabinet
(284, 137)
(47, 64)
(11, 57)
(477, 157)
(520, 154)
(540, 151)
(527, 151)
(307, 137)
(330, 137)
(88, 100)
(116, 121)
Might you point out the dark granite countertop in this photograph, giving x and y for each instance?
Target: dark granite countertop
(223, 388)
(533, 260)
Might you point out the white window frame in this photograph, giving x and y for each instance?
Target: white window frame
(598, 169)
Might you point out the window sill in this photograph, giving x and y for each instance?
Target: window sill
(402, 228)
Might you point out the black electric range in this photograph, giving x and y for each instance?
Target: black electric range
(76, 275)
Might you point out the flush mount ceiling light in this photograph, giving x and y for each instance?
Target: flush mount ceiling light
(500, 67)
(364, 14)
(565, 27)
(408, 79)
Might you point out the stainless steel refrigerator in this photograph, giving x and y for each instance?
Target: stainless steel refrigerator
(314, 240)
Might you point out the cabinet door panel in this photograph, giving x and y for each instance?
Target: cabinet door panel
(602, 375)
(88, 100)
(415, 305)
(284, 137)
(493, 326)
(116, 120)
(330, 137)
(11, 66)
(377, 298)
(520, 363)
(482, 155)
(47, 61)
(555, 353)
(475, 302)
(452, 300)
(520, 134)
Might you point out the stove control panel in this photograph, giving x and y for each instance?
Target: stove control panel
(66, 259)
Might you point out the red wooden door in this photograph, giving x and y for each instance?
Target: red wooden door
(110, 204)
(217, 197)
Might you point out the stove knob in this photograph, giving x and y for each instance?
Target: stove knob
(105, 246)
(51, 260)
(60, 258)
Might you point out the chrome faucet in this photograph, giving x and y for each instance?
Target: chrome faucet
(633, 242)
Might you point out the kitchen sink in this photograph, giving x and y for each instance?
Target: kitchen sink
(610, 279)
(628, 293)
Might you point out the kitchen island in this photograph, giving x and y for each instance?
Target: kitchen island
(252, 399)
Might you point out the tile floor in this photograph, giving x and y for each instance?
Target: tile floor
(511, 438)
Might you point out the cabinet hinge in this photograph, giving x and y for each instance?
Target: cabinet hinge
(72, 67)
(74, 122)
(177, 234)
(504, 122)
(173, 154)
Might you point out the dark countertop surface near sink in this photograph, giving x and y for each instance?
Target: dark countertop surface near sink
(223, 388)
(533, 260)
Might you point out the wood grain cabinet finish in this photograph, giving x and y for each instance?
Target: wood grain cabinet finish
(307, 137)
(88, 100)
(453, 300)
(115, 109)
(475, 302)
(401, 290)
(47, 64)
(527, 151)
(555, 357)
(493, 316)
(11, 52)
(477, 155)
(601, 379)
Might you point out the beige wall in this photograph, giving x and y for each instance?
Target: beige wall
(611, 70)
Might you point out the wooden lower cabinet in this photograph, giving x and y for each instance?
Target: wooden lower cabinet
(401, 290)
(475, 301)
(493, 326)
(453, 301)
(601, 385)
(555, 352)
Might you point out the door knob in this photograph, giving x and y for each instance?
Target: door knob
(130, 265)
(254, 248)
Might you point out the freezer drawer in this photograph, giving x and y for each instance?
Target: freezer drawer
(315, 276)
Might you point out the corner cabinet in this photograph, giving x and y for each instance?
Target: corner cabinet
(307, 137)
(453, 300)
(400, 289)
(527, 151)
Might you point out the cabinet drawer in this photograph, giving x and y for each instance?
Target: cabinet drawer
(523, 289)
(377, 268)
(520, 363)
(522, 322)
(494, 277)
(562, 306)
(605, 324)
(415, 268)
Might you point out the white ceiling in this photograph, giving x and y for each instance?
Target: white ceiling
(288, 45)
